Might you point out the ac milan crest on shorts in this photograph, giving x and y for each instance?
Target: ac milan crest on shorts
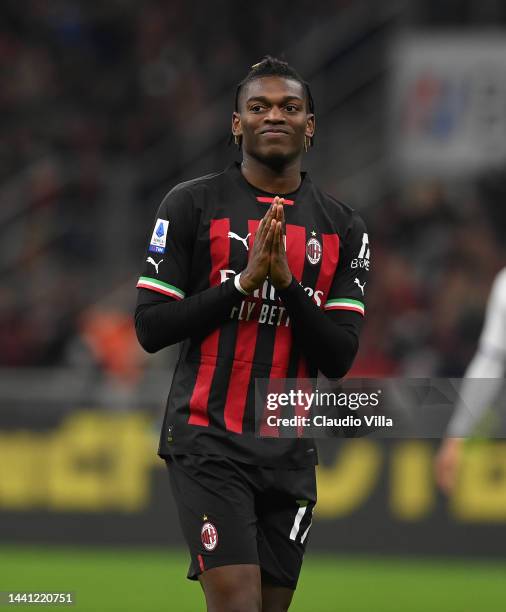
(209, 536)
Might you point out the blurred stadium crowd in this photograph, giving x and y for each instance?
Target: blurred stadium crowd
(96, 102)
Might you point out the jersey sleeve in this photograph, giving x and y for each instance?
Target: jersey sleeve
(493, 336)
(347, 291)
(167, 260)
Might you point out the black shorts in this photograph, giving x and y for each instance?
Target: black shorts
(235, 513)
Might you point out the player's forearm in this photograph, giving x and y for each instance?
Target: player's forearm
(323, 341)
(161, 323)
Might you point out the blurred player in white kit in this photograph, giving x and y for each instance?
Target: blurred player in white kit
(488, 362)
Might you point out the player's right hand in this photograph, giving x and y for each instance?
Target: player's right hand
(257, 269)
(447, 463)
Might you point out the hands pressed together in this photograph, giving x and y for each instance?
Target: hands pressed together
(268, 255)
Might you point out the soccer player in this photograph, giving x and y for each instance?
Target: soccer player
(262, 275)
(487, 363)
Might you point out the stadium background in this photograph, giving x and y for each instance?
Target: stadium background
(105, 106)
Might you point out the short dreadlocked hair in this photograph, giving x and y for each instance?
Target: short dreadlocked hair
(272, 66)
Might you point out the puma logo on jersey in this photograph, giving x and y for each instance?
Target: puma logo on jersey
(152, 261)
(243, 240)
(357, 282)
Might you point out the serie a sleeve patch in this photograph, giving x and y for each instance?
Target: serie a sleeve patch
(159, 236)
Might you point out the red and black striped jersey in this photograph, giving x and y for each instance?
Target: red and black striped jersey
(201, 238)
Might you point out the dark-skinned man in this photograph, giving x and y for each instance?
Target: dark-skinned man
(261, 275)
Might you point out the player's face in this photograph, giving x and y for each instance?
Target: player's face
(273, 119)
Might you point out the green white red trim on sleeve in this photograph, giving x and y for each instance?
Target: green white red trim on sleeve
(345, 304)
(154, 284)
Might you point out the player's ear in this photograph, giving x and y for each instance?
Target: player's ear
(236, 129)
(310, 125)
(236, 124)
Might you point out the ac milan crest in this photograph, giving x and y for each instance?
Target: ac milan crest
(313, 250)
(209, 536)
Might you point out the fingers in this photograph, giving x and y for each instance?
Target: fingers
(275, 238)
(263, 228)
(445, 481)
(447, 464)
(278, 245)
(278, 209)
(278, 238)
(270, 236)
(280, 213)
(445, 473)
(277, 242)
(276, 214)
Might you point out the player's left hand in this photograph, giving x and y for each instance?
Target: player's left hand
(279, 271)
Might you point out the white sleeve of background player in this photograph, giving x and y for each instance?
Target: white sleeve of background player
(167, 259)
(488, 363)
(493, 336)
